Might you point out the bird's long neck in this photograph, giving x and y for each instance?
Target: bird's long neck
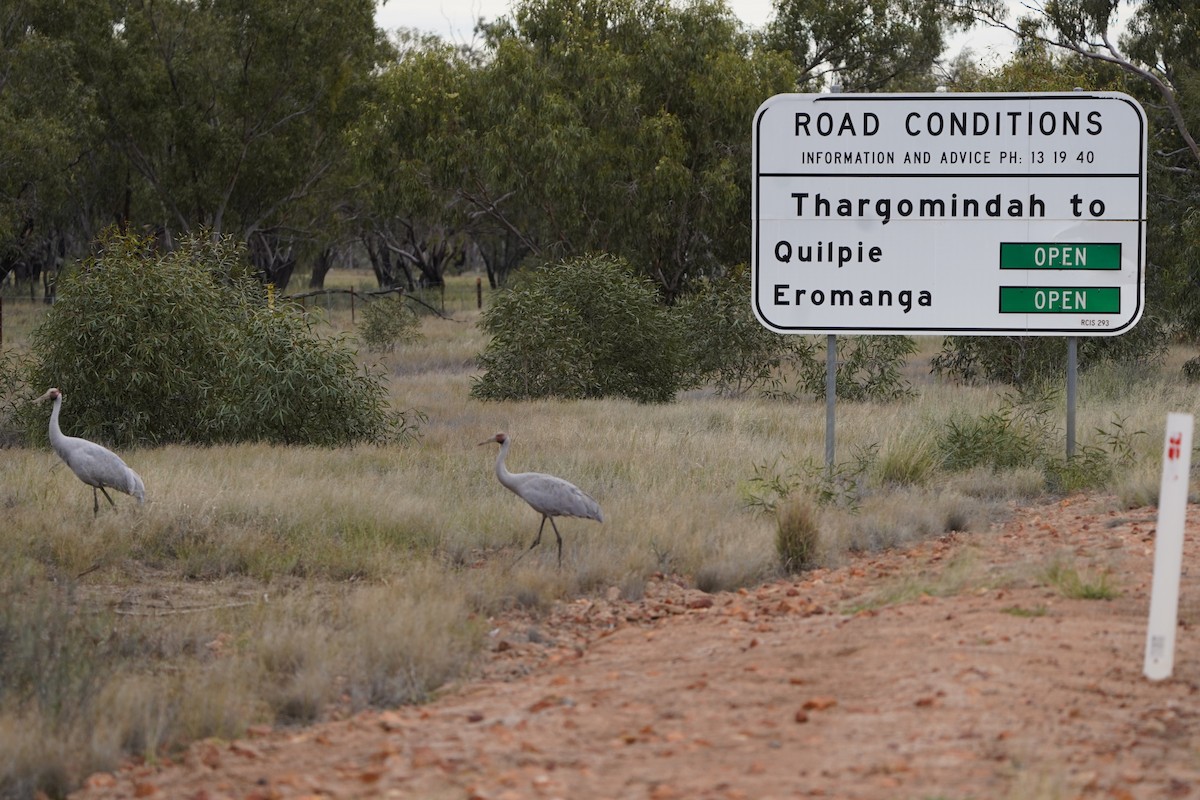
(56, 434)
(502, 474)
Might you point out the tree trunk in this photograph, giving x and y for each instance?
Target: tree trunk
(321, 267)
(273, 259)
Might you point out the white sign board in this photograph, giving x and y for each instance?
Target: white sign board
(1014, 214)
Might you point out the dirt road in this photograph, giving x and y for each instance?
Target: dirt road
(957, 669)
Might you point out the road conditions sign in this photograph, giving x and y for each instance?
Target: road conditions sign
(1015, 214)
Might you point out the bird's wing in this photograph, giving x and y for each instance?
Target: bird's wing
(97, 465)
(557, 497)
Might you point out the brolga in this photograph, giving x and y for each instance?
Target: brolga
(549, 496)
(93, 464)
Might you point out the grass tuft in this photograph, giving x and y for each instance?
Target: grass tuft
(1077, 585)
(797, 534)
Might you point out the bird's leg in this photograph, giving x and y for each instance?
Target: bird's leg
(106, 496)
(535, 541)
(95, 502)
(557, 536)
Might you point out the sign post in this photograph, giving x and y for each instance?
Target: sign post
(949, 214)
(1168, 548)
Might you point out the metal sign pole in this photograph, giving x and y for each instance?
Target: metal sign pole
(830, 396)
(1072, 366)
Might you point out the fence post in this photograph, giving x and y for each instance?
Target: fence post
(1, 323)
(351, 305)
(479, 293)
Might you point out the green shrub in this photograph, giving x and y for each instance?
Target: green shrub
(155, 347)
(841, 485)
(582, 328)
(868, 369)
(1021, 434)
(386, 321)
(1026, 361)
(1013, 436)
(727, 346)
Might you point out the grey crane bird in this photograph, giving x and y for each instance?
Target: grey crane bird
(93, 464)
(549, 496)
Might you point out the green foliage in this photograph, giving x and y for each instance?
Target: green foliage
(727, 346)
(46, 118)
(1095, 465)
(842, 484)
(1016, 360)
(868, 368)
(1021, 434)
(581, 328)
(617, 126)
(1015, 435)
(152, 347)
(865, 45)
(385, 322)
(1027, 361)
(260, 93)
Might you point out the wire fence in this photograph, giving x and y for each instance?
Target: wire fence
(446, 300)
(441, 300)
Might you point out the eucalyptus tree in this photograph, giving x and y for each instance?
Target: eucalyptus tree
(1037, 66)
(231, 114)
(47, 125)
(411, 151)
(1163, 46)
(619, 126)
(865, 45)
(1159, 52)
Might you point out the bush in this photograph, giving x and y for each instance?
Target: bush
(386, 321)
(582, 328)
(868, 369)
(1027, 361)
(727, 346)
(152, 347)
(1020, 434)
(839, 485)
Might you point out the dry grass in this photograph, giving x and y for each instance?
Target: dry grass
(21, 315)
(279, 584)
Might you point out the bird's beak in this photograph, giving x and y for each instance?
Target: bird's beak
(489, 441)
(44, 397)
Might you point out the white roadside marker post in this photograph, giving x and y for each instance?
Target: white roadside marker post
(1168, 548)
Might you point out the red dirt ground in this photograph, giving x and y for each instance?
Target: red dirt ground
(992, 686)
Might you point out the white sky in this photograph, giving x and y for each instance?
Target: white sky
(454, 20)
